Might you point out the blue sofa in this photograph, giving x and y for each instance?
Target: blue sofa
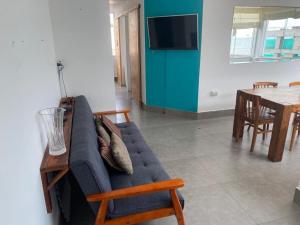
(125, 199)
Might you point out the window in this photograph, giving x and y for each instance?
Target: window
(242, 42)
(265, 33)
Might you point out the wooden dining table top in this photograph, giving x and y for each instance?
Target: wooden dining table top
(287, 96)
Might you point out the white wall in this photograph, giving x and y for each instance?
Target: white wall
(217, 74)
(28, 84)
(82, 41)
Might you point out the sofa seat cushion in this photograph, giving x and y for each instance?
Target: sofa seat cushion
(147, 169)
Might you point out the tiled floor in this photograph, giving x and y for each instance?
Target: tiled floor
(225, 184)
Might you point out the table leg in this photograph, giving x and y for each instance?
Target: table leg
(238, 125)
(280, 128)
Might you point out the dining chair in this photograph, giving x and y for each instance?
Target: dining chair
(265, 84)
(296, 127)
(294, 84)
(256, 115)
(296, 120)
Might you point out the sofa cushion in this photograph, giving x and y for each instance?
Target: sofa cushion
(120, 154)
(147, 169)
(110, 126)
(103, 133)
(86, 163)
(107, 155)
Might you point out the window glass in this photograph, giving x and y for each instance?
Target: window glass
(293, 23)
(288, 43)
(276, 25)
(270, 43)
(242, 42)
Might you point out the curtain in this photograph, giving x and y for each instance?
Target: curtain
(278, 13)
(252, 17)
(246, 17)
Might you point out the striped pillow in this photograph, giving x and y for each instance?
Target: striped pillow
(106, 154)
(103, 133)
(111, 126)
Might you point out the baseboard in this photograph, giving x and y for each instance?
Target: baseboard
(173, 112)
(215, 114)
(190, 115)
(297, 196)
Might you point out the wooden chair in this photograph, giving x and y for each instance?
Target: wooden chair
(293, 84)
(265, 84)
(296, 121)
(255, 115)
(296, 127)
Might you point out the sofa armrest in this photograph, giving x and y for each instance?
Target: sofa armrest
(137, 190)
(115, 112)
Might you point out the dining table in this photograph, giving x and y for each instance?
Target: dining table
(283, 101)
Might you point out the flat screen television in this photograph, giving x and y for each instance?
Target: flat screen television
(173, 32)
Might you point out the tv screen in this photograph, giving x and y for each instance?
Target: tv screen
(173, 32)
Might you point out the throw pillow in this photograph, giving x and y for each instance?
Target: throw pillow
(106, 153)
(120, 154)
(111, 126)
(103, 133)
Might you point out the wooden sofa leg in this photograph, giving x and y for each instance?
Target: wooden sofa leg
(127, 117)
(177, 207)
(100, 219)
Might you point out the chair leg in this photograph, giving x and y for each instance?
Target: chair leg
(101, 216)
(177, 207)
(295, 126)
(254, 138)
(264, 130)
(249, 126)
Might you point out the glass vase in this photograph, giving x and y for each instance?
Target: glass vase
(53, 119)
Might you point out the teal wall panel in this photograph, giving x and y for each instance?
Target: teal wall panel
(172, 77)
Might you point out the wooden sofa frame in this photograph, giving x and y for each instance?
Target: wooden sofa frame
(169, 185)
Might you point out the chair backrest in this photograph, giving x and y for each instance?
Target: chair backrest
(251, 107)
(293, 84)
(265, 84)
(86, 163)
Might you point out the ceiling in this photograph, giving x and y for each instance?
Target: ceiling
(115, 2)
(116, 6)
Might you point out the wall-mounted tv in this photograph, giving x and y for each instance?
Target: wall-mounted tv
(173, 32)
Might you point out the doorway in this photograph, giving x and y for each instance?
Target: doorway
(128, 53)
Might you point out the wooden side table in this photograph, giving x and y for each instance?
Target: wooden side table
(58, 166)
